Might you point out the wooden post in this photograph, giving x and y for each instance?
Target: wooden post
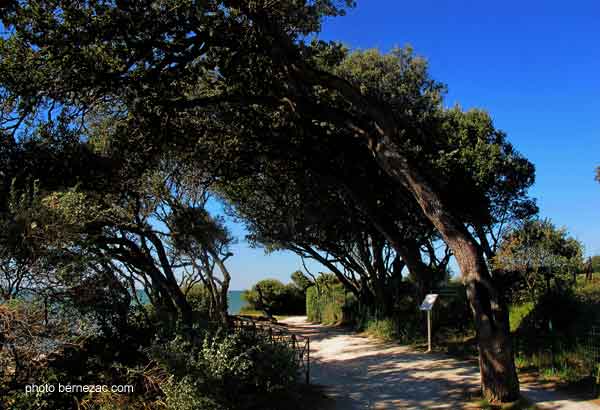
(427, 305)
(428, 331)
(307, 360)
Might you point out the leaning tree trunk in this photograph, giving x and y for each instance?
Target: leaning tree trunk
(223, 301)
(496, 360)
(499, 381)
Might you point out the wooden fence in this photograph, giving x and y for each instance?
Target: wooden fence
(279, 334)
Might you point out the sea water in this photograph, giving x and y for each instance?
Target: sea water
(234, 298)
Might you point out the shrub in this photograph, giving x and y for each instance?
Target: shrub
(384, 329)
(226, 369)
(565, 351)
(198, 296)
(546, 328)
(312, 305)
(596, 263)
(185, 394)
(19, 400)
(274, 298)
(327, 304)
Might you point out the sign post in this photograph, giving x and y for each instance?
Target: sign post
(427, 305)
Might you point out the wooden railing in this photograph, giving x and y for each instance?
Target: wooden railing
(279, 334)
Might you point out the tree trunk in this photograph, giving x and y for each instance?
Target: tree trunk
(499, 379)
(496, 360)
(421, 274)
(224, 303)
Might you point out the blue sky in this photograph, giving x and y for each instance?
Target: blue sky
(534, 65)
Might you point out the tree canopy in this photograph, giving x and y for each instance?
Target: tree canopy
(542, 256)
(243, 94)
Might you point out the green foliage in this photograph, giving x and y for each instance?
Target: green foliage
(517, 313)
(19, 400)
(184, 394)
(312, 300)
(384, 329)
(565, 352)
(204, 102)
(484, 178)
(535, 326)
(536, 258)
(326, 303)
(521, 404)
(198, 296)
(230, 369)
(274, 298)
(567, 363)
(589, 292)
(399, 77)
(301, 281)
(248, 311)
(596, 263)
(194, 227)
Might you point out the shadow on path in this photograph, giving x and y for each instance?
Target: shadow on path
(364, 374)
(361, 373)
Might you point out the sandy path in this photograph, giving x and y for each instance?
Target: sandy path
(361, 373)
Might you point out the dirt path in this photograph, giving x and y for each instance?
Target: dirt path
(361, 373)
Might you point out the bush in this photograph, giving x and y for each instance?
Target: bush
(19, 400)
(274, 298)
(384, 329)
(312, 305)
(327, 304)
(229, 370)
(596, 263)
(185, 394)
(198, 296)
(547, 328)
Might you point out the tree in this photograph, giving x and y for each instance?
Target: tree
(272, 297)
(337, 208)
(314, 222)
(16, 263)
(178, 71)
(143, 230)
(483, 186)
(275, 298)
(596, 263)
(301, 281)
(539, 257)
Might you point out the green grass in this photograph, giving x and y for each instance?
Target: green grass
(245, 311)
(521, 404)
(259, 313)
(569, 363)
(568, 374)
(383, 329)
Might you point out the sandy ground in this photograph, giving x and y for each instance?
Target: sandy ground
(361, 373)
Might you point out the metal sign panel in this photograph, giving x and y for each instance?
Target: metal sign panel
(428, 301)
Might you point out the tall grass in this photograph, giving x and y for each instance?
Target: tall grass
(327, 304)
(383, 329)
